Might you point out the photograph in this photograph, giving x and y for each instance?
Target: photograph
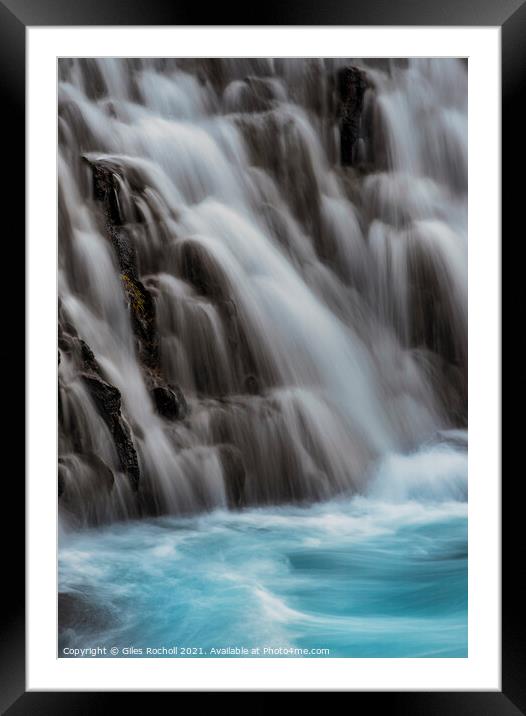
(262, 304)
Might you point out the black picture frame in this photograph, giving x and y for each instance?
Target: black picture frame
(15, 17)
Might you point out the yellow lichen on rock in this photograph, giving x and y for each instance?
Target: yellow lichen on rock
(135, 296)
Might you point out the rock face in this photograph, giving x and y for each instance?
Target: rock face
(101, 476)
(234, 474)
(107, 398)
(62, 477)
(199, 268)
(140, 301)
(251, 385)
(170, 402)
(74, 611)
(142, 309)
(197, 300)
(352, 84)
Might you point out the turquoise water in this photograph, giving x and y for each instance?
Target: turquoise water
(383, 575)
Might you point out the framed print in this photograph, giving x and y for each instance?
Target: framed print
(263, 269)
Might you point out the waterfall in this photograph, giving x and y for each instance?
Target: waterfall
(262, 277)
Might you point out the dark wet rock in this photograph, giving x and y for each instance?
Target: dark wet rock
(71, 468)
(62, 476)
(60, 409)
(106, 190)
(93, 78)
(290, 162)
(374, 132)
(105, 476)
(142, 309)
(87, 357)
(213, 72)
(234, 474)
(107, 399)
(75, 347)
(64, 342)
(73, 127)
(170, 402)
(455, 393)
(77, 611)
(252, 94)
(67, 335)
(251, 384)
(434, 320)
(450, 383)
(140, 301)
(218, 72)
(352, 85)
(70, 329)
(106, 396)
(200, 269)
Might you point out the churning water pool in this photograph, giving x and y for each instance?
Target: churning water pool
(383, 575)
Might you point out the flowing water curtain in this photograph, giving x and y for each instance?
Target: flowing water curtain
(262, 277)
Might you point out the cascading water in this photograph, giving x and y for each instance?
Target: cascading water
(262, 292)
